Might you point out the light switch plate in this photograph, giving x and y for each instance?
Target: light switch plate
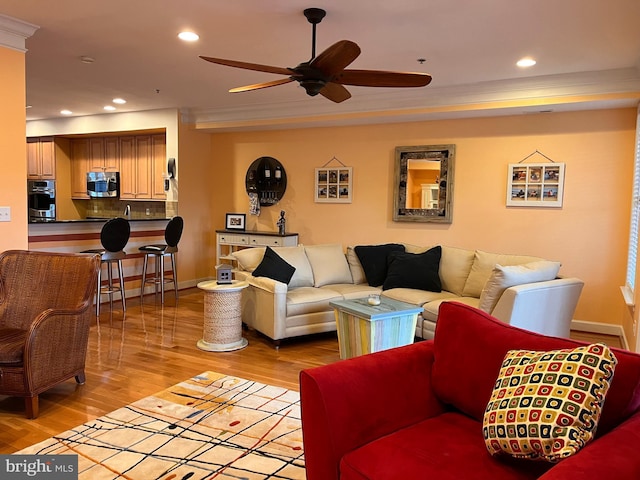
(5, 214)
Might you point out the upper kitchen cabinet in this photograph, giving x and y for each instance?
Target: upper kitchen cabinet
(159, 161)
(104, 154)
(142, 159)
(41, 158)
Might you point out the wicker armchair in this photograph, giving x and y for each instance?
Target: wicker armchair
(45, 313)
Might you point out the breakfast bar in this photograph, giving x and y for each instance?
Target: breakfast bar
(74, 236)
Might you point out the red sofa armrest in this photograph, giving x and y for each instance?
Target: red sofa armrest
(352, 402)
(613, 456)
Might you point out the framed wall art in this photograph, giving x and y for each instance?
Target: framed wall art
(334, 184)
(535, 184)
(235, 221)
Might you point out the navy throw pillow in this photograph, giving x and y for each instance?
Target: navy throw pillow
(414, 270)
(374, 260)
(274, 266)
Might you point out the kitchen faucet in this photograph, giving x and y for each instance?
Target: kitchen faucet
(127, 212)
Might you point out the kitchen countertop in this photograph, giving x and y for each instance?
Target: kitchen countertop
(99, 220)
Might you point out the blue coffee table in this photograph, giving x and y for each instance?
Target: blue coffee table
(364, 328)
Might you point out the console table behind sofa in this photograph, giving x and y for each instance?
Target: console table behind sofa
(232, 239)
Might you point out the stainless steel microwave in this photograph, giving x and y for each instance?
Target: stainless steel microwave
(103, 184)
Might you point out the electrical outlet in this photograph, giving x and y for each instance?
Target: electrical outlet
(5, 214)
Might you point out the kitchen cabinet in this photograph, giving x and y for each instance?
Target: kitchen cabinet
(142, 159)
(104, 154)
(158, 166)
(41, 158)
(79, 167)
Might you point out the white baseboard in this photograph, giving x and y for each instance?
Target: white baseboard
(602, 328)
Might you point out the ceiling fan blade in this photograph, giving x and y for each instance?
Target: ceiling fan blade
(381, 78)
(334, 92)
(336, 57)
(257, 86)
(249, 66)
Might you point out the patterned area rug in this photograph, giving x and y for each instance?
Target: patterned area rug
(210, 426)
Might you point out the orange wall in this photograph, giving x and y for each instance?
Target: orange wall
(196, 260)
(588, 234)
(13, 153)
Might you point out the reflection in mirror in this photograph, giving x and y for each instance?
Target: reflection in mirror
(424, 184)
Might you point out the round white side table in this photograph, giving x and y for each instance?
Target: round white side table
(222, 317)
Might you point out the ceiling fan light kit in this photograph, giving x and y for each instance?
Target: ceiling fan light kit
(326, 74)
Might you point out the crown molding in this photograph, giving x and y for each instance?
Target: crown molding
(572, 91)
(14, 32)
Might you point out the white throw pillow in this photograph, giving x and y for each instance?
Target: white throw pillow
(249, 258)
(504, 277)
(329, 264)
(296, 256)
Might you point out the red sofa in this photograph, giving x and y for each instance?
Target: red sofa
(415, 412)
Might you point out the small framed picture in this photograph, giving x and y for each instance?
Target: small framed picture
(334, 185)
(235, 221)
(535, 185)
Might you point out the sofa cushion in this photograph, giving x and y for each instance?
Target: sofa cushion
(432, 308)
(274, 267)
(296, 256)
(504, 277)
(546, 405)
(374, 260)
(455, 265)
(448, 446)
(357, 273)
(483, 263)
(305, 300)
(414, 270)
(487, 341)
(329, 264)
(350, 290)
(417, 297)
(249, 258)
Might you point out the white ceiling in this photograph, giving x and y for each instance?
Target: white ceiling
(589, 48)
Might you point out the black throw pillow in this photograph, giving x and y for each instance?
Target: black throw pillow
(414, 270)
(275, 267)
(374, 260)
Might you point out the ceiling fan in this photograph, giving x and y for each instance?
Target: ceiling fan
(326, 73)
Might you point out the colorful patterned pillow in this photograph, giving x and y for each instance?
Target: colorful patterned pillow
(546, 405)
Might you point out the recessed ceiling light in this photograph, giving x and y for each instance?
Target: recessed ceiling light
(66, 112)
(87, 59)
(119, 101)
(188, 36)
(526, 62)
(110, 108)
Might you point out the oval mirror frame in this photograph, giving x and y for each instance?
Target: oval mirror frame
(411, 196)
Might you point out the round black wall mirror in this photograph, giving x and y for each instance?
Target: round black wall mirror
(267, 179)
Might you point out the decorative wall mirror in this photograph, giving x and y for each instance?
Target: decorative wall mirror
(423, 188)
(266, 178)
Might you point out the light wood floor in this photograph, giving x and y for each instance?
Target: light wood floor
(151, 348)
(148, 349)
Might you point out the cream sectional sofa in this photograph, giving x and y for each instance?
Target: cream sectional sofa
(523, 291)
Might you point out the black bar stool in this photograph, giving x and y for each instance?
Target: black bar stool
(172, 234)
(114, 237)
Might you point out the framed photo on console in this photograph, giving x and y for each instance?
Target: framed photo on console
(235, 221)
